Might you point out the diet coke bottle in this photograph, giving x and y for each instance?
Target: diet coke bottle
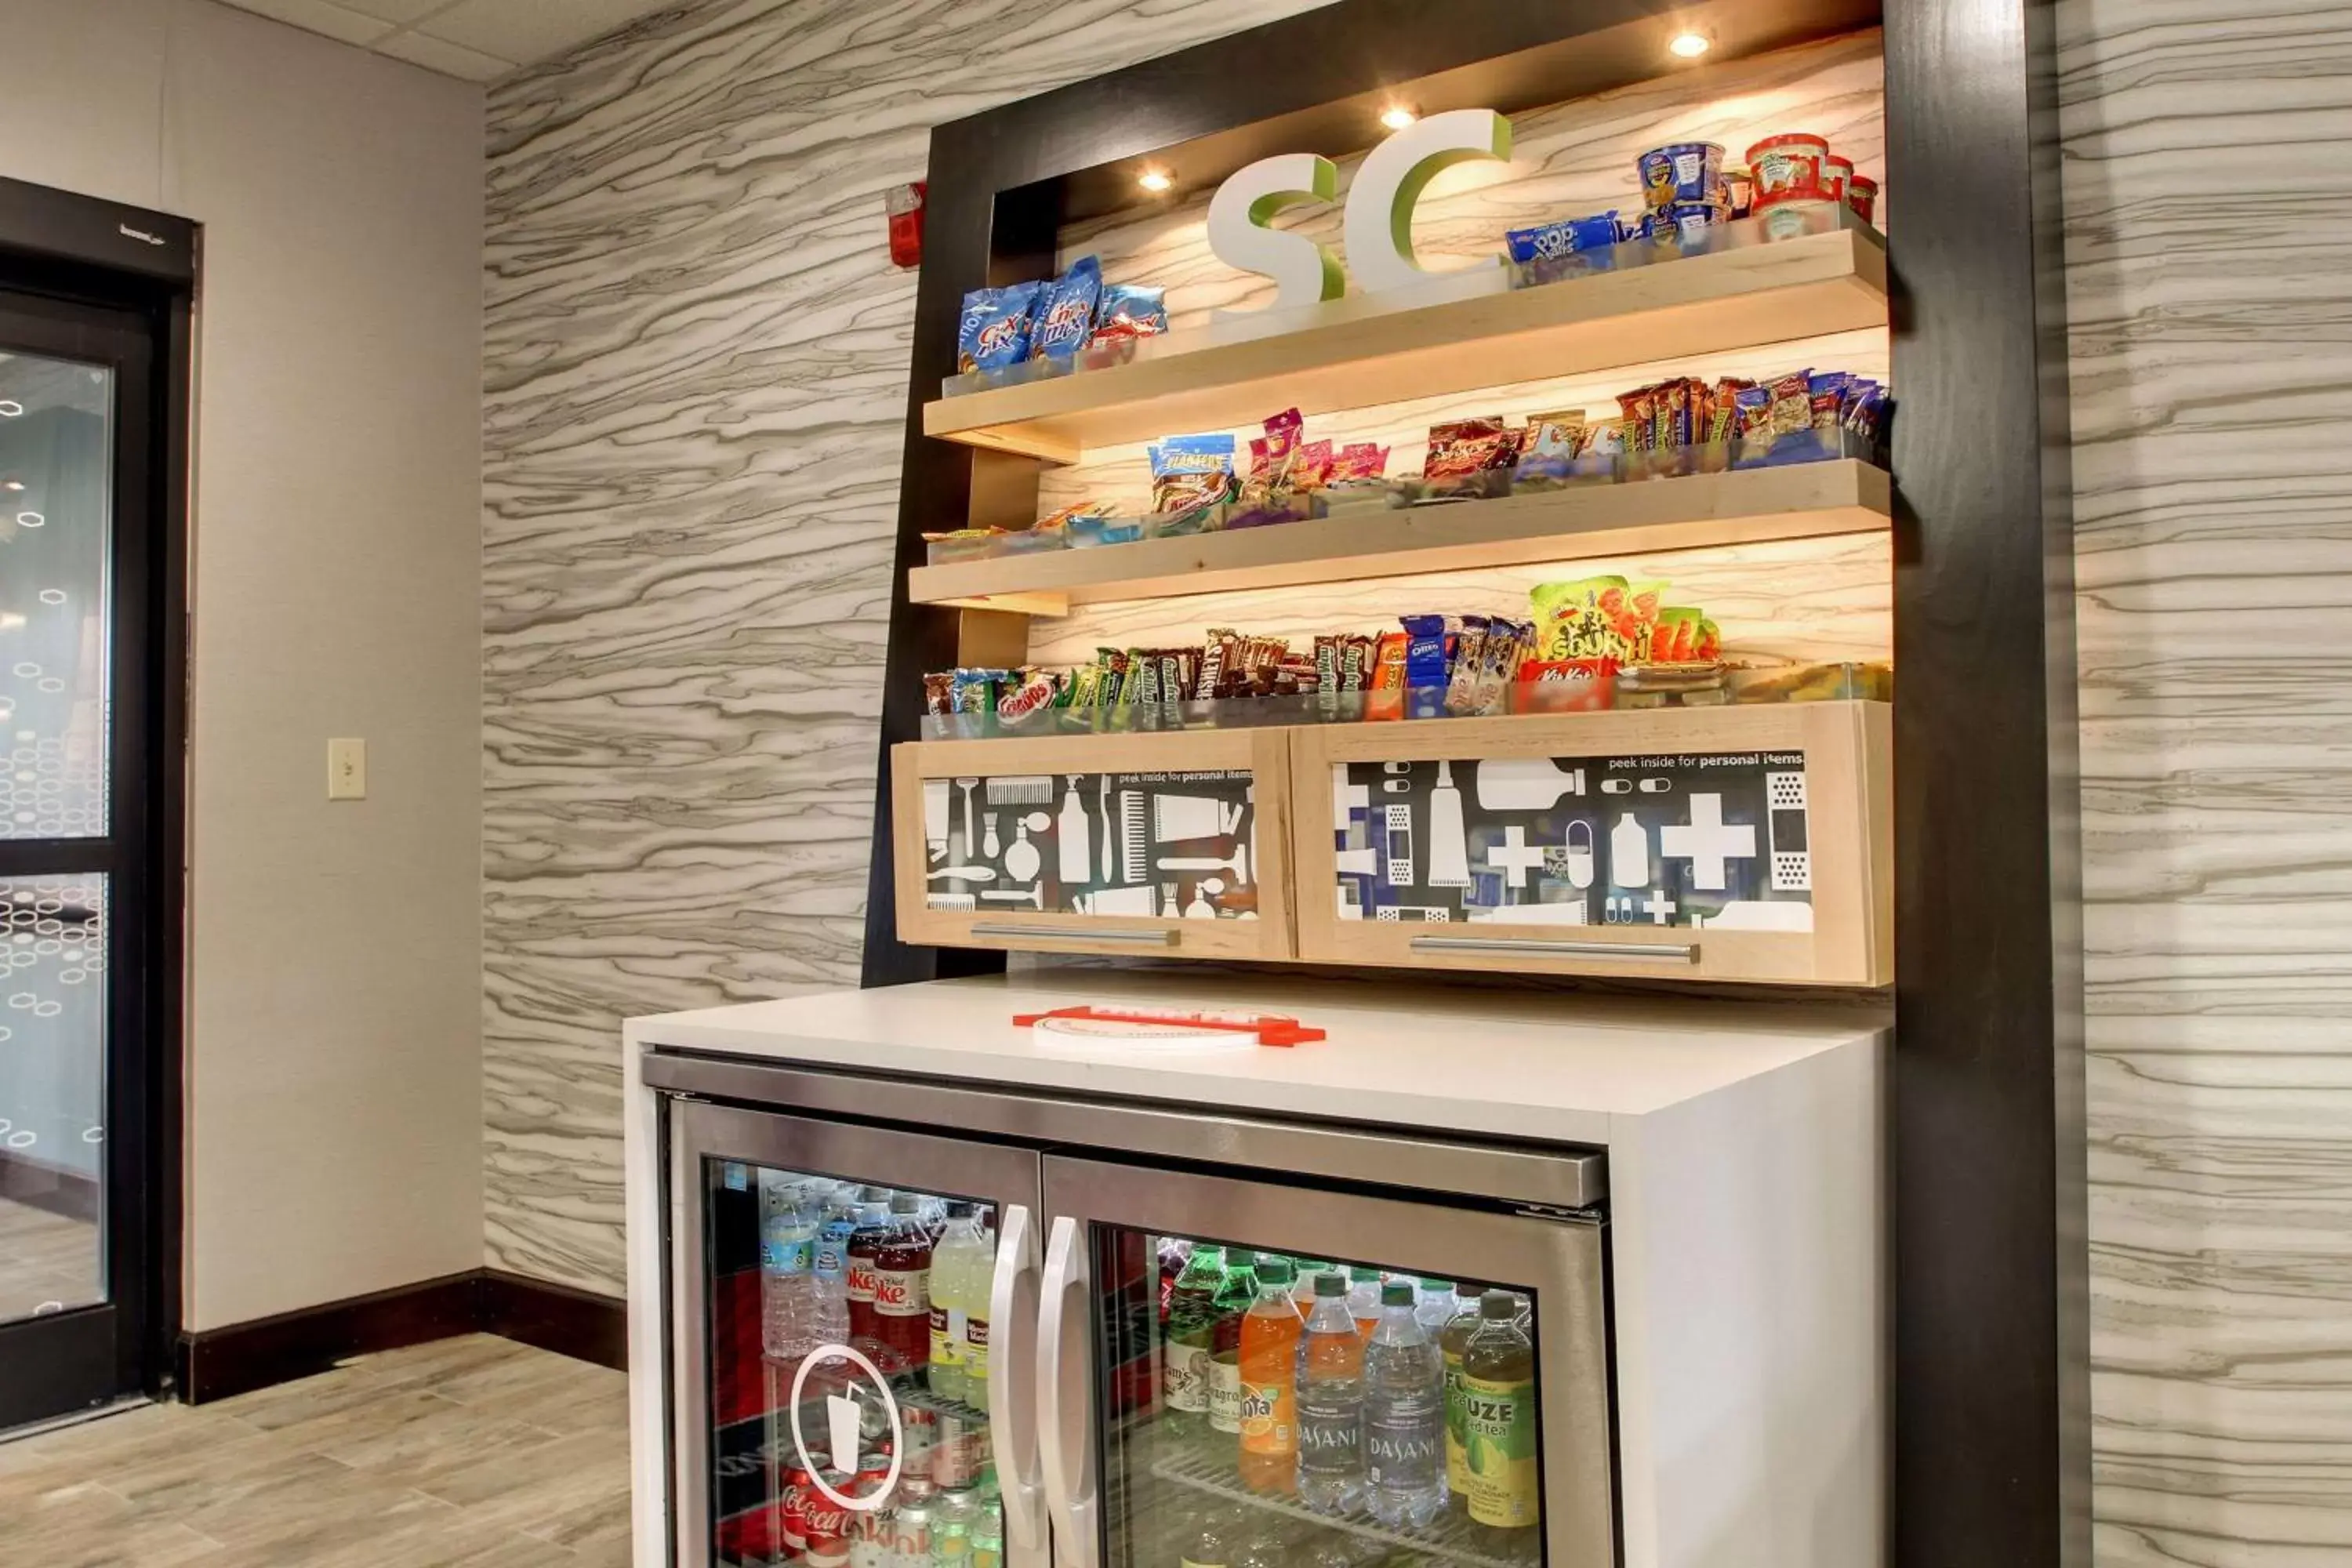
(902, 1290)
(873, 1229)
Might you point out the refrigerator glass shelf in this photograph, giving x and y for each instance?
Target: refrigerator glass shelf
(1450, 1539)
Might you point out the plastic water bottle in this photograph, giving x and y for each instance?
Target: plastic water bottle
(1404, 1417)
(1434, 1303)
(1364, 1300)
(828, 1319)
(787, 1271)
(1331, 1402)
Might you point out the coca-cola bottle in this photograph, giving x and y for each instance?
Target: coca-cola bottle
(873, 1229)
(902, 1290)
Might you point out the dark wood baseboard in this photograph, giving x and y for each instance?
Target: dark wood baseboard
(578, 1323)
(216, 1364)
(40, 1186)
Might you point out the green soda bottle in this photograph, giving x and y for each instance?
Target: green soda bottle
(1186, 1358)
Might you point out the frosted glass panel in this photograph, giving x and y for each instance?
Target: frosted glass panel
(56, 516)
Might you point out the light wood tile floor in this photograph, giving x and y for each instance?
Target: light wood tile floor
(470, 1453)
(47, 1263)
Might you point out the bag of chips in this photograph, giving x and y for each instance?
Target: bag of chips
(1191, 470)
(1065, 315)
(993, 329)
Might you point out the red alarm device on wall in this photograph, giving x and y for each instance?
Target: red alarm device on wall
(905, 205)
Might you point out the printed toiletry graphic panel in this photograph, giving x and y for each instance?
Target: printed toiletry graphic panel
(1705, 840)
(1164, 845)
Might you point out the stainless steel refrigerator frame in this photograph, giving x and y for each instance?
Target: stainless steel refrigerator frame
(1057, 1167)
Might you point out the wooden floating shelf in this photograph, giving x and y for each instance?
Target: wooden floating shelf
(1747, 506)
(1798, 287)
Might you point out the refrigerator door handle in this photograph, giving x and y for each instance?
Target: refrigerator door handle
(1065, 1404)
(1011, 1303)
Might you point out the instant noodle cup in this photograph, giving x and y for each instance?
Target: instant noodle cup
(1836, 172)
(1788, 165)
(1786, 217)
(1686, 222)
(1739, 190)
(1862, 196)
(1683, 171)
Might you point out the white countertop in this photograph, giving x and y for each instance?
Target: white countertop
(1553, 1067)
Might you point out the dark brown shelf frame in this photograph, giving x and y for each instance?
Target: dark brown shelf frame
(1992, 1450)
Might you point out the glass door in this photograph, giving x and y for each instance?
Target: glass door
(77, 700)
(854, 1335)
(1254, 1374)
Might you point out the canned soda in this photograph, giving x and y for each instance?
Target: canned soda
(910, 1530)
(791, 1522)
(873, 1475)
(828, 1520)
(956, 1457)
(922, 1435)
(873, 1539)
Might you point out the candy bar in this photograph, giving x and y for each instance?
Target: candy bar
(1130, 310)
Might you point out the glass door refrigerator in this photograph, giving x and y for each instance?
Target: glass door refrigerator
(916, 1324)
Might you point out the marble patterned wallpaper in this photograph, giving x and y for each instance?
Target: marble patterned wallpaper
(694, 392)
(2208, 168)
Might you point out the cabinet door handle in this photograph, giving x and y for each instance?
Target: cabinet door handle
(1013, 1302)
(1640, 952)
(1066, 1398)
(1060, 933)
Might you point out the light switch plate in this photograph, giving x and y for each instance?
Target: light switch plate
(347, 770)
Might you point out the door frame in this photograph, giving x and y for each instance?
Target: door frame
(79, 250)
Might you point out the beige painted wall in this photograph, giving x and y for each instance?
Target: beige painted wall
(333, 1057)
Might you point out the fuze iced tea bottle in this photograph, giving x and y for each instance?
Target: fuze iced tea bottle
(1498, 1428)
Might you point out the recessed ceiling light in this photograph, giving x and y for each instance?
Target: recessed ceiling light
(12, 485)
(1690, 46)
(1155, 180)
(30, 519)
(1396, 117)
(9, 410)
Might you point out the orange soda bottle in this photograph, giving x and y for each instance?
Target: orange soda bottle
(1269, 1357)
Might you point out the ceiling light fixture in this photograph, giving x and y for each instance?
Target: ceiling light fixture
(9, 410)
(1156, 180)
(1689, 46)
(12, 485)
(1396, 117)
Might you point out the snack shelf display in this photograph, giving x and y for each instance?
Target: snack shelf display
(1704, 686)
(1730, 506)
(1463, 332)
(1732, 842)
